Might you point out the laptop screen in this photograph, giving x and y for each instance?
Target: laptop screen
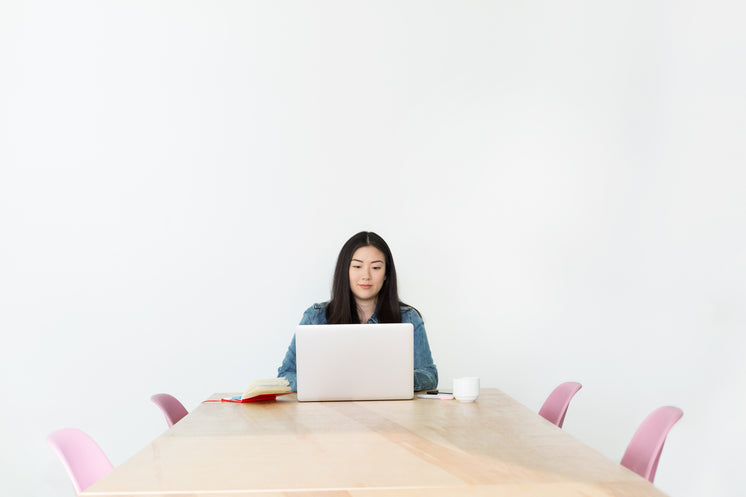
(355, 361)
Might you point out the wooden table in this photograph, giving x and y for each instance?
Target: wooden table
(423, 447)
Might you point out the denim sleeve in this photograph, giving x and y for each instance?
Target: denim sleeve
(287, 369)
(425, 372)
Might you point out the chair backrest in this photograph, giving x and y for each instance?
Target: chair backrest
(644, 450)
(171, 407)
(555, 407)
(81, 456)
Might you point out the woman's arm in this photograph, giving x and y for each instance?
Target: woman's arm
(316, 314)
(287, 369)
(425, 372)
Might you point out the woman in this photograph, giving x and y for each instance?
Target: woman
(364, 291)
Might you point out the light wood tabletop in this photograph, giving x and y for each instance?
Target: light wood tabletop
(422, 447)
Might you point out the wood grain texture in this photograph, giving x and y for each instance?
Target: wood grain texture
(494, 446)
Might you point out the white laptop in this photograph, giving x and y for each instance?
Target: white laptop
(355, 361)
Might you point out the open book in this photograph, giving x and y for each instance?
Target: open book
(266, 389)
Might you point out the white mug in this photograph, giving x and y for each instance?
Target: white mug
(466, 389)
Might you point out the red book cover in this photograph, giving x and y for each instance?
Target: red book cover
(265, 396)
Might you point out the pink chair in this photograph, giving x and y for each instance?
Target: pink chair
(644, 450)
(171, 407)
(555, 407)
(83, 459)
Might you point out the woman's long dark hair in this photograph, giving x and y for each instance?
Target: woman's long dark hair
(342, 308)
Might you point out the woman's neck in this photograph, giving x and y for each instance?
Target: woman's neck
(365, 309)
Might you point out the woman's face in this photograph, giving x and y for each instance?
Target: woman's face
(367, 272)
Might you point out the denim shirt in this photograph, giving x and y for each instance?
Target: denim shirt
(425, 372)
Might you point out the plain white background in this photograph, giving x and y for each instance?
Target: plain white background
(561, 183)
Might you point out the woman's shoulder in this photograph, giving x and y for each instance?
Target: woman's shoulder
(316, 314)
(409, 314)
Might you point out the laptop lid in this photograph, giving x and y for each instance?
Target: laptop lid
(355, 361)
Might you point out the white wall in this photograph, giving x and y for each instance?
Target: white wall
(562, 184)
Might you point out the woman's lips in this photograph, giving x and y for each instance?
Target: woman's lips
(365, 287)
